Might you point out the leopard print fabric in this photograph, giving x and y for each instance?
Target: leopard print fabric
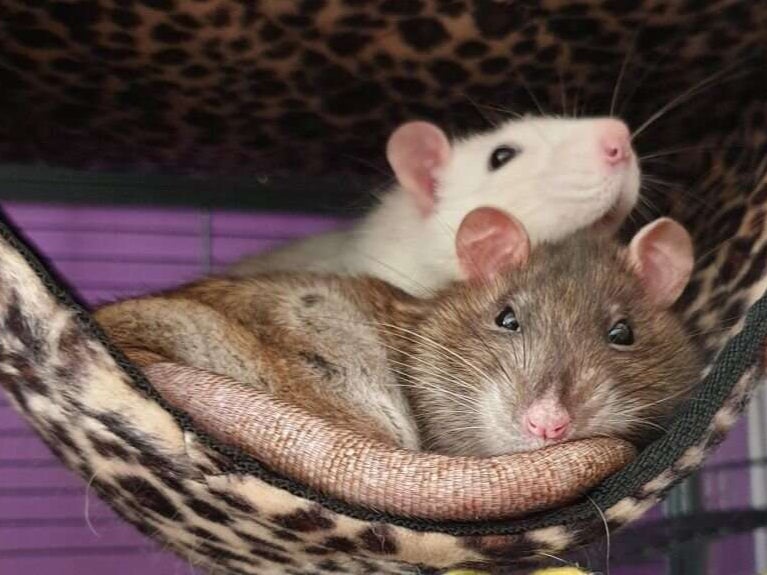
(225, 85)
(174, 486)
(248, 86)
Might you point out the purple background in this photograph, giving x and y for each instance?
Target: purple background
(49, 522)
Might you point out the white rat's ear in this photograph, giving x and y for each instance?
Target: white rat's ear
(661, 254)
(489, 240)
(416, 150)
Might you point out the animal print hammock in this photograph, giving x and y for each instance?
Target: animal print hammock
(241, 86)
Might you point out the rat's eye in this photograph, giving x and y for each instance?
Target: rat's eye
(501, 156)
(620, 334)
(507, 319)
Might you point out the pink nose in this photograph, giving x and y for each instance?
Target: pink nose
(547, 419)
(615, 141)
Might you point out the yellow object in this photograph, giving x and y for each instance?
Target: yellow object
(560, 571)
(549, 571)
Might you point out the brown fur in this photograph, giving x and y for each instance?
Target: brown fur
(566, 298)
(256, 331)
(336, 346)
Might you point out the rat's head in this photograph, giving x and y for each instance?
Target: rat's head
(575, 341)
(555, 175)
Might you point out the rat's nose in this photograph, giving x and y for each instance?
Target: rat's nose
(547, 419)
(615, 142)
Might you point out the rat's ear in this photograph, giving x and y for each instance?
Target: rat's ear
(661, 254)
(416, 150)
(488, 240)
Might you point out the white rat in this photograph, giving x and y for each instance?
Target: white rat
(555, 175)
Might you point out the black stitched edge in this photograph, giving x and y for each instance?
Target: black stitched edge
(341, 195)
(740, 353)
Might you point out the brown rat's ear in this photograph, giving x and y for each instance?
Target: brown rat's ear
(416, 150)
(661, 254)
(488, 240)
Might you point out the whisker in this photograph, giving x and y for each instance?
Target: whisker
(477, 332)
(555, 558)
(425, 383)
(641, 421)
(562, 90)
(530, 93)
(413, 382)
(468, 408)
(446, 349)
(479, 110)
(503, 110)
(683, 149)
(424, 288)
(668, 398)
(438, 374)
(704, 84)
(653, 67)
(624, 65)
(607, 534)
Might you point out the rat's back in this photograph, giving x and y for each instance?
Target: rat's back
(312, 340)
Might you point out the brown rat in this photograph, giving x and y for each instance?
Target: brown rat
(577, 342)
(573, 340)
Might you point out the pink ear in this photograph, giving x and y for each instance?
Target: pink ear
(416, 150)
(488, 240)
(662, 256)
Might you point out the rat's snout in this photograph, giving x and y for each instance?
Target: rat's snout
(615, 142)
(547, 419)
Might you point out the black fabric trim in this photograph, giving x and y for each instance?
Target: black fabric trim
(740, 353)
(341, 195)
(655, 539)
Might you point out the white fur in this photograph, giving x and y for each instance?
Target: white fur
(555, 186)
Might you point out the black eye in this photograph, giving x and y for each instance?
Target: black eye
(620, 334)
(507, 320)
(501, 156)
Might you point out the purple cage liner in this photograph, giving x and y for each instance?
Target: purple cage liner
(49, 522)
